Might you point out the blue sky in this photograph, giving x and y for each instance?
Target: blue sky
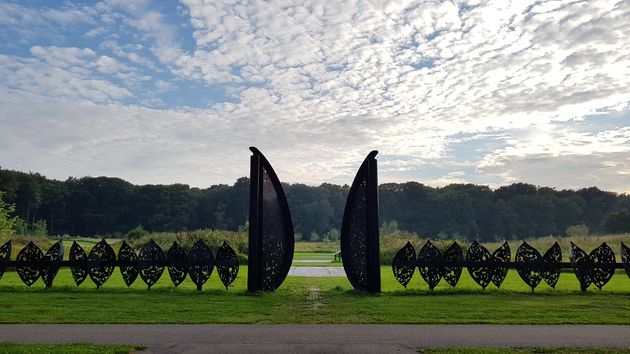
(487, 92)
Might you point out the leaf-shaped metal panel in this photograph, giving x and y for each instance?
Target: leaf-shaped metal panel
(78, 260)
(529, 264)
(200, 263)
(359, 229)
(271, 238)
(552, 259)
(431, 265)
(625, 258)
(478, 258)
(227, 264)
(453, 255)
(53, 258)
(151, 261)
(404, 264)
(100, 263)
(603, 265)
(581, 265)
(176, 259)
(501, 256)
(128, 263)
(30, 270)
(5, 256)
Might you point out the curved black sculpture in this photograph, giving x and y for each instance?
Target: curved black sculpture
(78, 260)
(176, 259)
(552, 263)
(430, 264)
(485, 267)
(271, 238)
(29, 273)
(200, 263)
(5, 256)
(359, 230)
(404, 264)
(151, 261)
(53, 256)
(595, 268)
(227, 264)
(101, 262)
(128, 263)
(625, 258)
(452, 256)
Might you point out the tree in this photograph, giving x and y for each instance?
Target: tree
(6, 221)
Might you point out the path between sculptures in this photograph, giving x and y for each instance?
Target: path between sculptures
(317, 272)
(340, 338)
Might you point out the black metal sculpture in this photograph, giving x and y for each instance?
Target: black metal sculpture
(625, 258)
(128, 263)
(485, 267)
(176, 258)
(430, 264)
(151, 261)
(78, 260)
(271, 238)
(200, 263)
(404, 264)
(595, 268)
(227, 264)
(54, 256)
(453, 258)
(100, 263)
(29, 263)
(5, 256)
(552, 260)
(359, 230)
(532, 267)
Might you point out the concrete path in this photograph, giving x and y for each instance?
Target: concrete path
(317, 272)
(290, 338)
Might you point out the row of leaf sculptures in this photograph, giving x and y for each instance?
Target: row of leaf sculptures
(596, 268)
(31, 263)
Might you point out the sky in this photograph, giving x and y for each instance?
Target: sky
(160, 92)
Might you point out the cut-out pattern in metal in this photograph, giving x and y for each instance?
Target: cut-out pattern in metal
(552, 259)
(30, 268)
(176, 258)
(430, 264)
(200, 263)
(360, 229)
(501, 256)
(78, 259)
(100, 263)
(151, 263)
(478, 258)
(128, 263)
(625, 258)
(404, 264)
(227, 264)
(452, 257)
(54, 256)
(5, 256)
(595, 268)
(271, 238)
(530, 264)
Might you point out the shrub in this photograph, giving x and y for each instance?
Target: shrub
(136, 233)
(577, 230)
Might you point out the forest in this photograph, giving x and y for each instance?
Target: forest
(106, 206)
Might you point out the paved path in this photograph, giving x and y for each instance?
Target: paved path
(317, 272)
(290, 338)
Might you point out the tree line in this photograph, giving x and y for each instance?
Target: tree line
(112, 206)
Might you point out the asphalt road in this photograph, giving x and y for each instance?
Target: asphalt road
(288, 338)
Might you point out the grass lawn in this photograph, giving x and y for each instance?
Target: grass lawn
(67, 348)
(313, 300)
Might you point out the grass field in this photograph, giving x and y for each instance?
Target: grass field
(68, 348)
(313, 300)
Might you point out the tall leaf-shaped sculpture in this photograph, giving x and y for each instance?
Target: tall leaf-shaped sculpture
(227, 264)
(29, 261)
(595, 268)
(78, 263)
(625, 258)
(430, 265)
(151, 261)
(530, 264)
(359, 230)
(101, 262)
(5, 256)
(404, 264)
(501, 257)
(453, 255)
(271, 238)
(128, 263)
(552, 259)
(485, 267)
(53, 258)
(176, 259)
(200, 263)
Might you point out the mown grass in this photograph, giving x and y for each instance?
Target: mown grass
(11, 348)
(293, 302)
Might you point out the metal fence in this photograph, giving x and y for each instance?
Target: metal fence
(595, 268)
(149, 263)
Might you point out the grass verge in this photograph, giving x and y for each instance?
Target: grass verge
(11, 348)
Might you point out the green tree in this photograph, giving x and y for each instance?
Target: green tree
(6, 220)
